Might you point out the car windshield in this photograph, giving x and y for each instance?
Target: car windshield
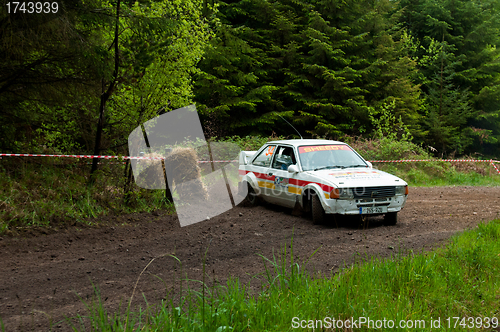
(316, 157)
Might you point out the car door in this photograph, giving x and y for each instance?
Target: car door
(283, 158)
(260, 167)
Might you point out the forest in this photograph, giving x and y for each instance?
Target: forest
(80, 78)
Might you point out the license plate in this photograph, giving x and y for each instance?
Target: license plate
(373, 210)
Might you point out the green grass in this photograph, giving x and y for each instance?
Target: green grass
(461, 279)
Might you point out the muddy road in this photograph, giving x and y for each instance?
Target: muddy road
(43, 277)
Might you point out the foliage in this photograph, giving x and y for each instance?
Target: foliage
(51, 193)
(329, 66)
(55, 103)
(387, 126)
(388, 149)
(324, 69)
(458, 69)
(46, 68)
(447, 107)
(165, 42)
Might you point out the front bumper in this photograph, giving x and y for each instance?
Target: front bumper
(351, 206)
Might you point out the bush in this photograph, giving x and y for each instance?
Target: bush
(388, 149)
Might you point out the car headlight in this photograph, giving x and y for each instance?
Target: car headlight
(342, 193)
(346, 193)
(402, 190)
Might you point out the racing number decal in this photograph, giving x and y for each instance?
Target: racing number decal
(270, 151)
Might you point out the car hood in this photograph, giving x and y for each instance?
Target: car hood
(355, 177)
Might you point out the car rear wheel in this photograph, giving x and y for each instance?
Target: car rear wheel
(391, 218)
(318, 213)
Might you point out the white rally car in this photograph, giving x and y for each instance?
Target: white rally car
(321, 176)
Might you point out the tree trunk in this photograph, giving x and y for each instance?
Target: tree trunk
(100, 125)
(105, 96)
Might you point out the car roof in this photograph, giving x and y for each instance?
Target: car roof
(300, 142)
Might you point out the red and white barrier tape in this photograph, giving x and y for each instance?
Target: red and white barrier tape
(448, 160)
(491, 161)
(98, 157)
(496, 168)
(227, 161)
(66, 156)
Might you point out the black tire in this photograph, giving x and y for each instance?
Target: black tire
(252, 197)
(391, 218)
(317, 211)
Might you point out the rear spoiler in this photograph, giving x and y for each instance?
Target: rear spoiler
(246, 156)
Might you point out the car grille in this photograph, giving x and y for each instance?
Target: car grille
(374, 192)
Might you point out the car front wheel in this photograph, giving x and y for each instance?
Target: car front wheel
(318, 213)
(252, 196)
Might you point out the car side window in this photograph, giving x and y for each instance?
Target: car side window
(284, 158)
(264, 157)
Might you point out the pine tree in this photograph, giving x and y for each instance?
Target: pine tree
(470, 31)
(323, 64)
(448, 108)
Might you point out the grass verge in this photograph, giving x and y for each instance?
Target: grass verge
(461, 279)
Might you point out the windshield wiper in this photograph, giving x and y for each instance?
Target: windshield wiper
(351, 166)
(327, 167)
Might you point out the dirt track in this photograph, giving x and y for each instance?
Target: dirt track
(41, 275)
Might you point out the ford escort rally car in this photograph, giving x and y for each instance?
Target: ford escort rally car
(323, 177)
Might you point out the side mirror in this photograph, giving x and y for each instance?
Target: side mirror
(369, 164)
(293, 169)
